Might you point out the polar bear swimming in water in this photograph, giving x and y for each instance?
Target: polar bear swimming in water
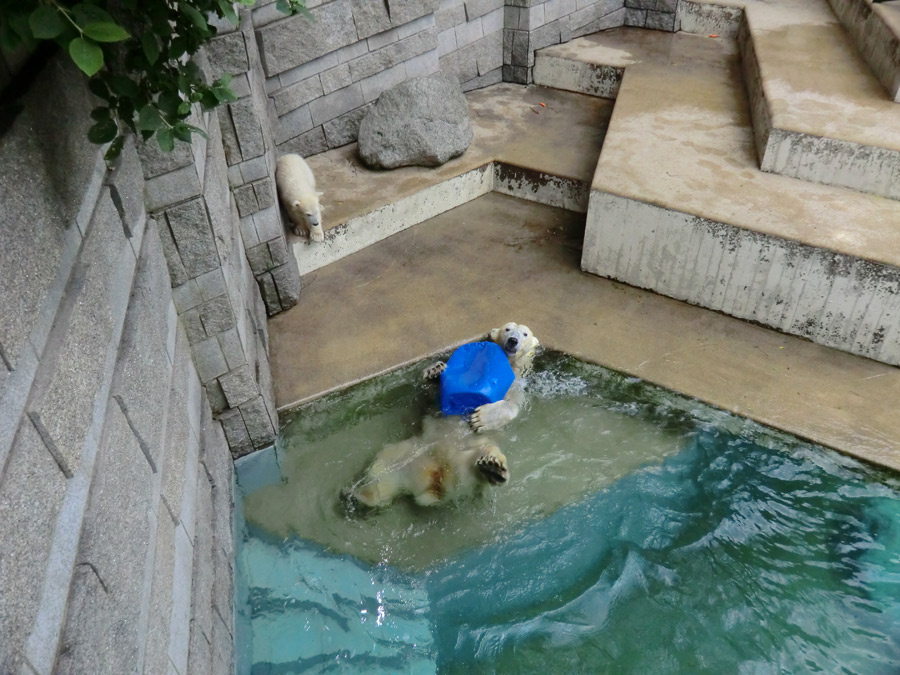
(445, 463)
(519, 344)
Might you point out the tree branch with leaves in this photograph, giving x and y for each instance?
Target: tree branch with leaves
(137, 54)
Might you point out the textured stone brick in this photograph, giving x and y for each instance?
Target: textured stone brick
(156, 659)
(299, 94)
(181, 445)
(187, 296)
(140, 383)
(311, 143)
(278, 250)
(246, 119)
(211, 284)
(336, 78)
(232, 348)
(660, 21)
(287, 281)
(216, 396)
(298, 39)
(265, 192)
(404, 11)
(126, 184)
(260, 259)
(370, 17)
(376, 62)
(449, 17)
(236, 433)
(101, 629)
(269, 294)
(172, 188)
(335, 104)
(488, 53)
(424, 64)
(228, 55)
(476, 8)
(239, 386)
(217, 315)
(245, 198)
(229, 140)
(372, 87)
(193, 326)
(345, 129)
(259, 424)
(80, 360)
(31, 493)
(293, 124)
(193, 235)
(209, 359)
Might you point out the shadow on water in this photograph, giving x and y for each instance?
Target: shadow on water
(641, 532)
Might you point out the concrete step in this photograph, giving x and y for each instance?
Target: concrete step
(875, 29)
(678, 205)
(522, 147)
(818, 111)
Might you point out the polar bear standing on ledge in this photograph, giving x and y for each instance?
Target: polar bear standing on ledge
(447, 462)
(297, 191)
(519, 344)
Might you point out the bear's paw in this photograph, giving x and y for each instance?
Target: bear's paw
(493, 468)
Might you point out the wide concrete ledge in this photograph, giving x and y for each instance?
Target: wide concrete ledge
(875, 29)
(819, 113)
(679, 206)
(499, 259)
(523, 145)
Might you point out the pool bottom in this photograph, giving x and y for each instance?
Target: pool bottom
(728, 556)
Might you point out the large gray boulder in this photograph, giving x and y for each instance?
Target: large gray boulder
(421, 122)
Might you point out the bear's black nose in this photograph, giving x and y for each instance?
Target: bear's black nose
(512, 342)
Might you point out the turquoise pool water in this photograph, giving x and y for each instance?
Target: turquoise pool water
(640, 532)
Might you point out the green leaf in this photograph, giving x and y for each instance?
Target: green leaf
(223, 94)
(115, 149)
(106, 32)
(283, 6)
(86, 55)
(45, 22)
(124, 86)
(87, 13)
(223, 81)
(98, 88)
(18, 22)
(151, 47)
(103, 131)
(166, 139)
(149, 119)
(228, 12)
(196, 17)
(208, 100)
(100, 114)
(168, 102)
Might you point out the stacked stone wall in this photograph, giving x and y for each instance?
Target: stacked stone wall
(115, 480)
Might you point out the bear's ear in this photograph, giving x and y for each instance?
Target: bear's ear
(296, 203)
(495, 333)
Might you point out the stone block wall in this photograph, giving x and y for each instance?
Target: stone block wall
(323, 71)
(115, 480)
(215, 292)
(535, 24)
(247, 133)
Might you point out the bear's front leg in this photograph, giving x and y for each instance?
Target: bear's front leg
(434, 371)
(492, 416)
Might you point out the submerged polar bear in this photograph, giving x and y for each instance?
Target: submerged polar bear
(519, 344)
(297, 191)
(447, 462)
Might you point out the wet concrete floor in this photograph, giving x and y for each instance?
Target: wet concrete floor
(496, 259)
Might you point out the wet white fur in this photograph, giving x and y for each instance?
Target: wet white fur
(495, 415)
(297, 191)
(443, 464)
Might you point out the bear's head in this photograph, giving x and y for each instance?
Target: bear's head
(519, 343)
